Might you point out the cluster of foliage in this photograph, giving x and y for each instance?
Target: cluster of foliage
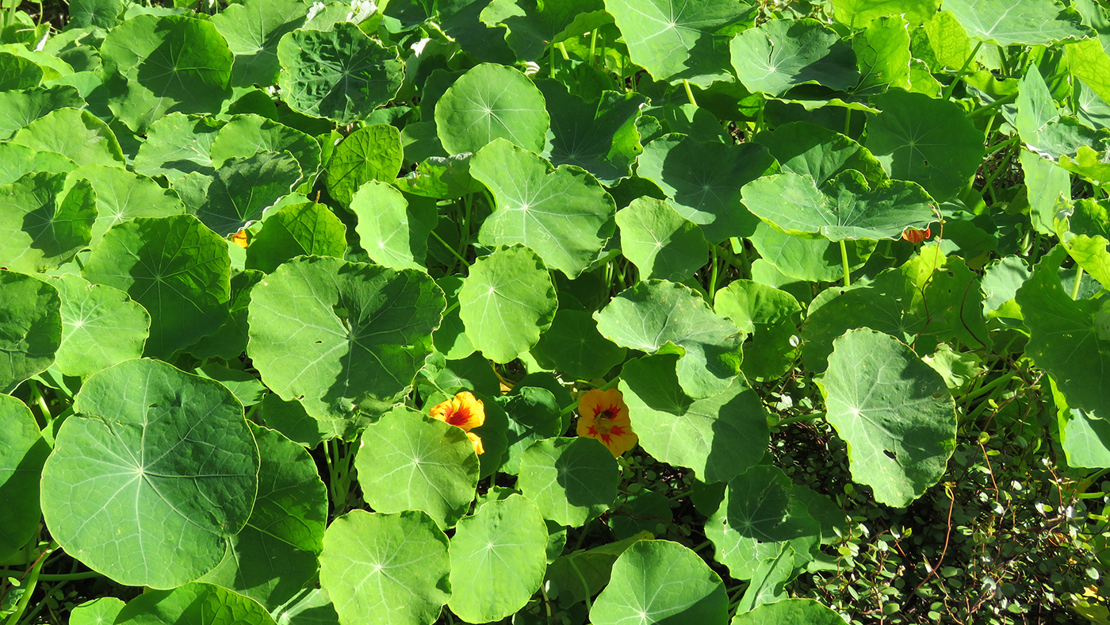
(298, 302)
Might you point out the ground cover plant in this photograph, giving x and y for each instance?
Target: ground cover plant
(590, 311)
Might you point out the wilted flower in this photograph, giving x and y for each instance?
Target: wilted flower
(604, 416)
(915, 236)
(463, 411)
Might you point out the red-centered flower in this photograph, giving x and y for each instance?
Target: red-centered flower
(464, 411)
(604, 416)
(240, 239)
(915, 236)
(477, 442)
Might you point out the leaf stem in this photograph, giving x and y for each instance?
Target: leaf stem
(450, 249)
(604, 387)
(956, 79)
(51, 577)
(847, 121)
(712, 271)
(29, 589)
(844, 261)
(1078, 282)
(796, 419)
(689, 92)
(593, 45)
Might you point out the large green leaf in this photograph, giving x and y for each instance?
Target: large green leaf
(274, 555)
(122, 195)
(340, 74)
(599, 137)
(1084, 436)
(883, 56)
(177, 145)
(408, 461)
(573, 345)
(804, 148)
(858, 14)
(22, 453)
(361, 333)
(17, 73)
(252, 30)
(893, 410)
(293, 230)
(246, 135)
(653, 313)
(658, 581)
(101, 326)
(196, 603)
(174, 63)
(563, 214)
(803, 258)
(370, 153)
(17, 161)
(675, 40)
(159, 459)
(1029, 22)
(533, 414)
(805, 611)
(930, 142)
(771, 315)
(660, 242)
(393, 231)
(386, 568)
(718, 437)
(490, 102)
(843, 208)
(42, 223)
(77, 135)
(175, 268)
(30, 327)
(104, 610)
(931, 298)
(534, 24)
(506, 302)
(1067, 338)
(703, 180)
(781, 54)
(498, 559)
(571, 480)
(244, 187)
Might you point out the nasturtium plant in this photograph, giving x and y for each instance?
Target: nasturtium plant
(576, 312)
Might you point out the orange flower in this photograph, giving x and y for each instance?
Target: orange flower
(915, 236)
(605, 417)
(464, 411)
(240, 239)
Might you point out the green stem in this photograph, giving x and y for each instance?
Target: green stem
(1078, 283)
(689, 92)
(1002, 146)
(563, 50)
(582, 579)
(804, 417)
(956, 79)
(844, 261)
(450, 249)
(40, 403)
(51, 577)
(551, 61)
(604, 387)
(547, 604)
(993, 106)
(593, 45)
(28, 590)
(989, 386)
(989, 184)
(712, 271)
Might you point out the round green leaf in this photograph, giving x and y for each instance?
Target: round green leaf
(816, 260)
(533, 414)
(22, 453)
(340, 74)
(408, 461)
(101, 326)
(771, 315)
(30, 327)
(175, 63)
(498, 559)
(175, 268)
(17, 161)
(122, 195)
(571, 480)
(1030, 22)
(674, 40)
(450, 338)
(573, 345)
(386, 568)
(244, 187)
(43, 224)
(490, 102)
(804, 148)
(506, 302)
(440, 177)
(252, 30)
(393, 231)
(593, 135)
(102, 611)
(930, 142)
(177, 145)
(805, 611)
(274, 555)
(341, 336)
(295, 230)
(843, 208)
(246, 135)
(718, 437)
(894, 411)
(18, 73)
(653, 313)
(703, 180)
(77, 135)
(161, 460)
(659, 241)
(658, 581)
(781, 54)
(193, 604)
(563, 214)
(370, 153)
(230, 340)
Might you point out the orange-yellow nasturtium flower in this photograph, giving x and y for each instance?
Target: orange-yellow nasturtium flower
(240, 239)
(915, 236)
(464, 411)
(604, 416)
